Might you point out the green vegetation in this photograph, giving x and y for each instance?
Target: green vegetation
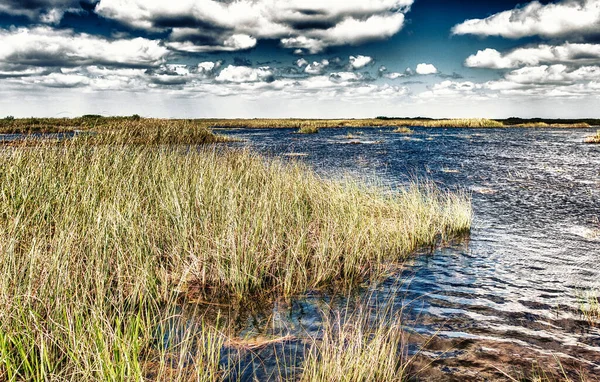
(97, 123)
(364, 346)
(593, 138)
(589, 306)
(128, 130)
(403, 130)
(104, 236)
(308, 130)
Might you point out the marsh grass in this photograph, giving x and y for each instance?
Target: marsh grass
(99, 243)
(593, 138)
(364, 345)
(308, 130)
(403, 130)
(98, 123)
(553, 125)
(589, 306)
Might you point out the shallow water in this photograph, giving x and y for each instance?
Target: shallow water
(533, 249)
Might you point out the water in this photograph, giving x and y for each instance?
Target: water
(513, 289)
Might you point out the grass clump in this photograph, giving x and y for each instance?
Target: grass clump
(403, 130)
(593, 138)
(589, 306)
(155, 131)
(308, 129)
(100, 242)
(363, 346)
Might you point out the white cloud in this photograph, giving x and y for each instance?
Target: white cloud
(232, 43)
(239, 74)
(43, 46)
(316, 67)
(301, 62)
(394, 75)
(566, 53)
(564, 18)
(304, 25)
(553, 75)
(45, 11)
(359, 62)
(424, 69)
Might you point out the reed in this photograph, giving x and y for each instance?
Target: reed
(98, 123)
(589, 306)
(100, 242)
(403, 130)
(365, 345)
(308, 130)
(593, 138)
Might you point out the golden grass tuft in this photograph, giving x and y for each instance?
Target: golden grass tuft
(403, 130)
(308, 130)
(593, 138)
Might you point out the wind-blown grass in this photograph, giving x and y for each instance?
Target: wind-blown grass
(98, 242)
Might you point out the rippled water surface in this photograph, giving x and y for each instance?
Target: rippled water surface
(533, 249)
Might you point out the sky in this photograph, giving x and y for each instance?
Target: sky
(300, 58)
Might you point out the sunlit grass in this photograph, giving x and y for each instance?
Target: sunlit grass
(100, 242)
(308, 130)
(364, 345)
(593, 138)
(589, 306)
(403, 130)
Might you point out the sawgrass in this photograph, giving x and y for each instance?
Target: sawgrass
(593, 138)
(102, 236)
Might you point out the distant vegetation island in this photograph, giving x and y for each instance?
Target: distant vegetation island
(93, 122)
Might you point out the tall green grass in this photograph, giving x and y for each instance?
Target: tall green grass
(99, 243)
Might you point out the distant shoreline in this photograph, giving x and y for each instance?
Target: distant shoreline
(11, 125)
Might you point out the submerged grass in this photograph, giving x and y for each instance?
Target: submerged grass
(99, 243)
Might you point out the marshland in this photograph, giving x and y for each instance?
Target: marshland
(144, 249)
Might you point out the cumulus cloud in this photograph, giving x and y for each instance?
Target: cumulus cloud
(230, 44)
(561, 19)
(47, 47)
(316, 67)
(301, 62)
(548, 54)
(46, 11)
(360, 62)
(553, 75)
(303, 25)
(424, 69)
(452, 89)
(239, 74)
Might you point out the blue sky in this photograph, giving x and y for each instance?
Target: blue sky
(300, 58)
